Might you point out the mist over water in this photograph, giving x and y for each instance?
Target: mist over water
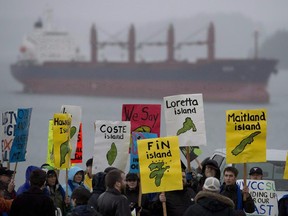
(234, 38)
(101, 108)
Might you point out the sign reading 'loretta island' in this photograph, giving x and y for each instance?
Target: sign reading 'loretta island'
(184, 116)
(160, 168)
(245, 135)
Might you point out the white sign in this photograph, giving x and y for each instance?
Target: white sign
(112, 140)
(263, 193)
(184, 117)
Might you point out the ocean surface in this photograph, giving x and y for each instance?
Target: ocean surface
(101, 108)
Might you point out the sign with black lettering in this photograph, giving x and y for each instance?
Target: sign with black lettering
(21, 131)
(111, 148)
(263, 193)
(184, 117)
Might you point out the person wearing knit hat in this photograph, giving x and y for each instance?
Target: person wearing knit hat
(210, 202)
(210, 169)
(256, 173)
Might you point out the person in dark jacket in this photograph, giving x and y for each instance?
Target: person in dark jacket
(56, 192)
(80, 197)
(209, 202)
(112, 202)
(209, 169)
(132, 194)
(34, 201)
(283, 206)
(98, 184)
(231, 190)
(176, 201)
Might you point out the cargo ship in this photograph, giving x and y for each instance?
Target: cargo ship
(50, 63)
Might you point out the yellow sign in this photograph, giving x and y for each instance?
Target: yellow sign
(50, 153)
(160, 167)
(286, 168)
(61, 138)
(246, 136)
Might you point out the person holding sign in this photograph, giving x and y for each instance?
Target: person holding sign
(112, 202)
(8, 182)
(132, 193)
(256, 173)
(210, 202)
(177, 201)
(232, 190)
(75, 179)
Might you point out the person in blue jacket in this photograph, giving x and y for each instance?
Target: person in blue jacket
(24, 187)
(75, 179)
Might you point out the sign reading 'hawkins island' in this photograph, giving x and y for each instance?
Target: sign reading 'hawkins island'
(184, 116)
(245, 135)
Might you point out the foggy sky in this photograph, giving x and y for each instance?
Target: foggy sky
(77, 16)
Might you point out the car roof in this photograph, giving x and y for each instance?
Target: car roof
(271, 154)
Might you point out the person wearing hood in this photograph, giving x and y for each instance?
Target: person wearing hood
(209, 169)
(98, 184)
(56, 192)
(75, 179)
(24, 187)
(209, 202)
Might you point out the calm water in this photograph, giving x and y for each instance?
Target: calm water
(99, 108)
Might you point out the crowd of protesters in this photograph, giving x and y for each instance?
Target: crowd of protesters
(114, 193)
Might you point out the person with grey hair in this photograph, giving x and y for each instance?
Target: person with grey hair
(210, 202)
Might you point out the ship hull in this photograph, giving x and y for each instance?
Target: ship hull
(219, 80)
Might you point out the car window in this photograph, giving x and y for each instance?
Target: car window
(272, 170)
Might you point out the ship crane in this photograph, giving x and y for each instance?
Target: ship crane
(130, 45)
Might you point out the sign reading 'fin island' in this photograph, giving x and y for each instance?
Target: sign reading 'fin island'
(245, 135)
(159, 160)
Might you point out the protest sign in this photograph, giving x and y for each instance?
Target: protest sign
(143, 117)
(184, 117)
(21, 131)
(245, 135)
(286, 168)
(7, 132)
(134, 159)
(75, 142)
(111, 148)
(61, 140)
(160, 167)
(264, 195)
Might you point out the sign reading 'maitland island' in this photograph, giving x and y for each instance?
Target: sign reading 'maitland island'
(245, 135)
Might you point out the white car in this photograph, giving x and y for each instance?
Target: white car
(273, 169)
